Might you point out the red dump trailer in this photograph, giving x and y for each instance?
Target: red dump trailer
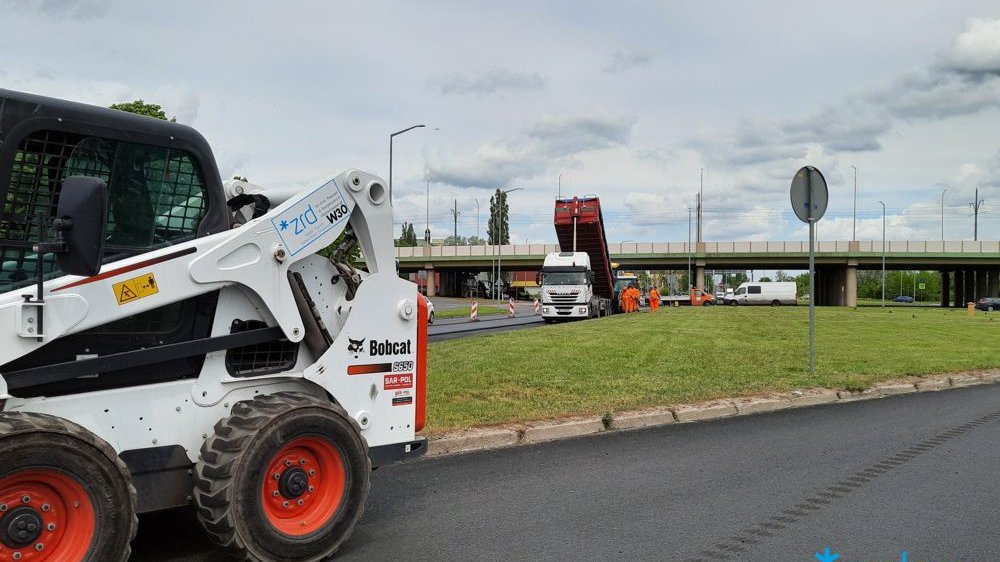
(580, 228)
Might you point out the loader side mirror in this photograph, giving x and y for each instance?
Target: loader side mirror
(81, 221)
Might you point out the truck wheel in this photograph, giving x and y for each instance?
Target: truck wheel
(775, 303)
(732, 303)
(65, 496)
(284, 477)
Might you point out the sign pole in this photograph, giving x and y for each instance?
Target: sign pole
(812, 297)
(809, 196)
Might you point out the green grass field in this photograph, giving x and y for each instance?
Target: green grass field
(691, 354)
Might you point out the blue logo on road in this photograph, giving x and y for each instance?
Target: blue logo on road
(825, 556)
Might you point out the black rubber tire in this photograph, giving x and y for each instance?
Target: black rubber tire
(775, 303)
(708, 303)
(430, 318)
(229, 473)
(989, 308)
(733, 303)
(29, 440)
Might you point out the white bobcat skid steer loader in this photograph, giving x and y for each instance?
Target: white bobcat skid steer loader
(160, 348)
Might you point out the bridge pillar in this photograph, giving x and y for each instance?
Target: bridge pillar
(851, 283)
(981, 285)
(969, 294)
(993, 283)
(431, 285)
(699, 277)
(959, 289)
(945, 289)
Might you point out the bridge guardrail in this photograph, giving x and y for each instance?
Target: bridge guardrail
(750, 247)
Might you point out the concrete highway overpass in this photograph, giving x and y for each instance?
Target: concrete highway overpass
(969, 269)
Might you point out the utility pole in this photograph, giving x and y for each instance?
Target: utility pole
(976, 204)
(454, 215)
(477, 216)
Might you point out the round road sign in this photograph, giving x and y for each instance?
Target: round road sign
(809, 194)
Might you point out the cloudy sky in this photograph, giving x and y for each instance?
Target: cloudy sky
(627, 100)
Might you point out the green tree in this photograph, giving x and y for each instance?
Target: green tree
(498, 228)
(140, 107)
(737, 279)
(407, 237)
(780, 275)
(765, 279)
(645, 281)
(456, 241)
(802, 284)
(476, 241)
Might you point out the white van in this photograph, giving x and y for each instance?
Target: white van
(774, 293)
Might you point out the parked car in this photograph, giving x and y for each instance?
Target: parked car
(430, 309)
(903, 298)
(988, 304)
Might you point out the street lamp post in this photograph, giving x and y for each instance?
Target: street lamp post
(883, 254)
(854, 222)
(496, 222)
(689, 249)
(392, 136)
(942, 214)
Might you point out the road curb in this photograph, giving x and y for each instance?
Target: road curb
(642, 418)
(562, 430)
(470, 440)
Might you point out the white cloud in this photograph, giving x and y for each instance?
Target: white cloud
(490, 82)
(71, 9)
(543, 145)
(623, 61)
(977, 49)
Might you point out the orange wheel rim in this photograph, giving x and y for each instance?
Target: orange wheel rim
(45, 516)
(304, 486)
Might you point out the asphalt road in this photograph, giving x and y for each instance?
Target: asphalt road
(452, 328)
(869, 480)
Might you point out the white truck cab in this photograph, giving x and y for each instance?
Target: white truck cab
(567, 287)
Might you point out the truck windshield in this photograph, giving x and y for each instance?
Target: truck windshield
(564, 278)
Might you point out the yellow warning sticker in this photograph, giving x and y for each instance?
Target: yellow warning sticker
(135, 288)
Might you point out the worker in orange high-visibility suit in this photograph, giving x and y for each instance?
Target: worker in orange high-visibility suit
(626, 300)
(654, 300)
(634, 292)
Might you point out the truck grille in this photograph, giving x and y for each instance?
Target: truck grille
(566, 298)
